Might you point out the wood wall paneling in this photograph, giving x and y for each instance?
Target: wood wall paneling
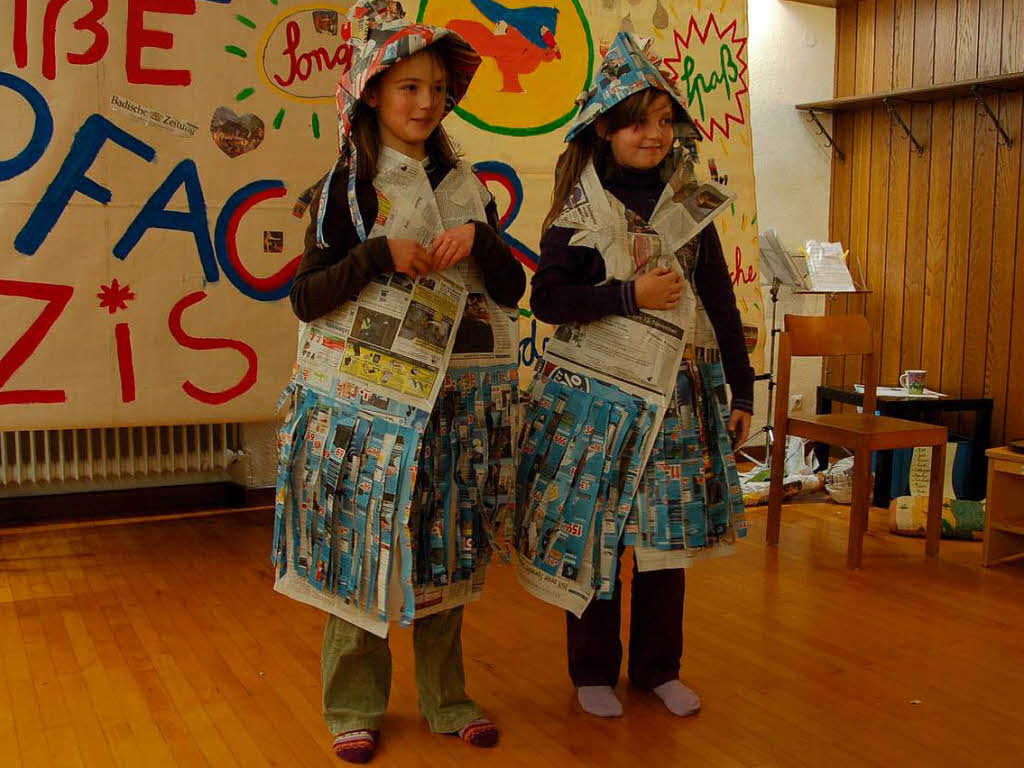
(940, 235)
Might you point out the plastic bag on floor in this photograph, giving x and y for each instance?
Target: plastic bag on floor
(798, 460)
(756, 492)
(839, 481)
(798, 480)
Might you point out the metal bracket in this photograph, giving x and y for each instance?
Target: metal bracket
(895, 117)
(976, 93)
(829, 141)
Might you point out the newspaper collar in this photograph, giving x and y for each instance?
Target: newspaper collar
(600, 218)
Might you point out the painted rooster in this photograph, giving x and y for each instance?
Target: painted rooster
(519, 42)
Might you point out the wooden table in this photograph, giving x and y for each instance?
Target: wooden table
(1004, 518)
(913, 409)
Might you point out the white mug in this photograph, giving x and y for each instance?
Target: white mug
(913, 382)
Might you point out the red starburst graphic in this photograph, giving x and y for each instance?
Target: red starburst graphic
(114, 297)
(698, 85)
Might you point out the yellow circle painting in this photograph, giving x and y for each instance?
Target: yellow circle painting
(537, 58)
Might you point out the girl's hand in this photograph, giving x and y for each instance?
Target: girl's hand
(659, 289)
(409, 257)
(451, 246)
(739, 425)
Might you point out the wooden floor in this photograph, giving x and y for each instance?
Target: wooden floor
(162, 643)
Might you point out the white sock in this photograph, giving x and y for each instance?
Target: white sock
(679, 699)
(599, 700)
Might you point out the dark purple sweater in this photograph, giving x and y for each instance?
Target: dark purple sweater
(566, 290)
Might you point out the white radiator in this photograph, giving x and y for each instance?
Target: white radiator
(57, 461)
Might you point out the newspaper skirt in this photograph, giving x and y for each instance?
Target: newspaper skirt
(689, 503)
(376, 521)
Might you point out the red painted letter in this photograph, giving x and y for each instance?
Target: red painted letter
(739, 277)
(21, 33)
(140, 37)
(57, 298)
(90, 22)
(192, 342)
(125, 361)
(101, 40)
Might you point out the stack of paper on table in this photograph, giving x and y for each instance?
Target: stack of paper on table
(928, 394)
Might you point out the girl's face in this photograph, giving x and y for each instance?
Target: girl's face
(645, 143)
(409, 99)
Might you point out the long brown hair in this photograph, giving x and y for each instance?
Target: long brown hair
(366, 131)
(588, 145)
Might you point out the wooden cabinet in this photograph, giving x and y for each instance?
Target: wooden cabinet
(1004, 519)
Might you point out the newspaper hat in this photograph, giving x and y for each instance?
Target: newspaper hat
(381, 37)
(626, 68)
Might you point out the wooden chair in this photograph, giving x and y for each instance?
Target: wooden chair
(863, 432)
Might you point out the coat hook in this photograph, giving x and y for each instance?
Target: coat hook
(976, 93)
(895, 117)
(829, 141)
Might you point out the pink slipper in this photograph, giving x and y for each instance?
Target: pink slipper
(355, 746)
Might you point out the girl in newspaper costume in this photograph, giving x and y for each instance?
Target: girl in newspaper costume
(628, 435)
(396, 451)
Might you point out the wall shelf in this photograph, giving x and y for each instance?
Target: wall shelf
(1012, 82)
(891, 100)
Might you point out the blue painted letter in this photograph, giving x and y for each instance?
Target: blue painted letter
(94, 133)
(154, 215)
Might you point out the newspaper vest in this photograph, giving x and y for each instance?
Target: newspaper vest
(630, 246)
(459, 198)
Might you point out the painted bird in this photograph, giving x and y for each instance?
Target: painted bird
(521, 40)
(535, 22)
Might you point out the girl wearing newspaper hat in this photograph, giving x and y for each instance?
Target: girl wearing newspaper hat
(629, 435)
(396, 434)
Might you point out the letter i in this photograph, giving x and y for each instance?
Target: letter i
(113, 298)
(125, 361)
(21, 33)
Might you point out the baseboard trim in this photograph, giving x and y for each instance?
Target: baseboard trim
(131, 502)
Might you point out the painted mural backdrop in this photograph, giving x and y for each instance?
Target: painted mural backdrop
(156, 158)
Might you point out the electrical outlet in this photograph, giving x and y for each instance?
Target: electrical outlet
(796, 402)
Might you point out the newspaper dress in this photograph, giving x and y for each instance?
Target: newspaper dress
(396, 465)
(626, 439)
